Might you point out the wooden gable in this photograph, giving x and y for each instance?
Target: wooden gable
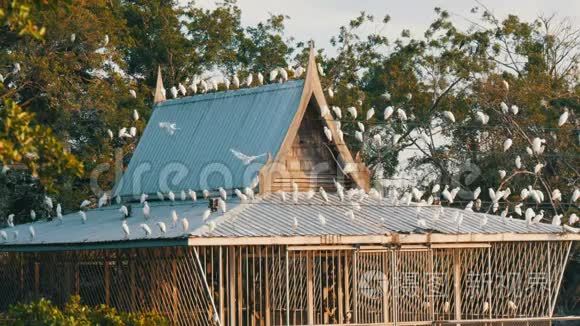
(306, 157)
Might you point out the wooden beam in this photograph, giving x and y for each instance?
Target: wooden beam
(310, 287)
(232, 283)
(457, 283)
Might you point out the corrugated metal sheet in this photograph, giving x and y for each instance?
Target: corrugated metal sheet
(252, 121)
(272, 217)
(265, 217)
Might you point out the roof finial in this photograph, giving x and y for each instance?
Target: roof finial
(312, 59)
(159, 95)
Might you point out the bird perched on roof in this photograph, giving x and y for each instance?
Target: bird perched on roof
(538, 218)
(32, 232)
(530, 215)
(85, 203)
(171, 196)
(223, 193)
(573, 219)
(227, 83)
(125, 229)
(260, 78)
(249, 80)
(103, 200)
(476, 192)
(184, 224)
(182, 89)
(205, 193)
(236, 81)
(518, 209)
(145, 229)
(162, 227)
(83, 216)
(143, 198)
(222, 205)
(323, 194)
(310, 194)
(174, 91)
(557, 220)
(48, 202)
(512, 305)
(321, 219)
(160, 196)
(174, 218)
(192, 195)
(124, 211)
(388, 112)
(133, 93)
(59, 212)
(249, 193)
(328, 133)
(3, 235)
(246, 159)
(182, 195)
(169, 127)
(206, 214)
(146, 210)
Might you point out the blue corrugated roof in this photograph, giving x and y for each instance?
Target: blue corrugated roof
(253, 121)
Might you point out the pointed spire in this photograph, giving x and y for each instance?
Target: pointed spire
(312, 67)
(159, 89)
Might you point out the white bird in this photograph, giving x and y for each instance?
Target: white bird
(205, 193)
(169, 127)
(506, 85)
(435, 188)
(323, 194)
(83, 216)
(573, 219)
(273, 75)
(538, 168)
(483, 221)
(299, 71)
(518, 162)
(260, 78)
(182, 89)
(73, 37)
(449, 116)
(538, 145)
(222, 205)
(133, 93)
(171, 196)
(504, 108)
(282, 195)
(358, 136)
(110, 133)
(310, 194)
(146, 210)
(103, 200)
(123, 133)
(174, 92)
(246, 159)
(143, 198)
(48, 202)
(387, 95)
(402, 115)
(482, 117)
(32, 215)
(184, 224)
(518, 209)
(538, 218)
(125, 228)
(409, 96)
(485, 307)
(514, 109)
(160, 196)
(469, 206)
(563, 117)
(85, 203)
(106, 40)
(575, 195)
(352, 111)
(236, 81)
(227, 83)
(512, 305)
(530, 214)
(59, 212)
(192, 195)
(476, 193)
(328, 133)
(446, 307)
(32, 232)
(330, 92)
(321, 219)
(337, 112)
(388, 112)
(324, 111)
(124, 210)
(557, 220)
(249, 193)
(361, 126)
(182, 195)
(249, 80)
(223, 193)
(206, 214)
(370, 113)
(502, 174)
(446, 194)
(11, 220)
(507, 144)
(162, 227)
(320, 70)
(145, 229)
(4, 235)
(133, 132)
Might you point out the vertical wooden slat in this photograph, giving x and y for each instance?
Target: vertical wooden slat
(457, 283)
(310, 289)
(232, 282)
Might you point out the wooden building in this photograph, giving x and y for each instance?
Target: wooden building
(345, 258)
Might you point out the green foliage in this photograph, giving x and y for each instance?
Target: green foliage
(43, 312)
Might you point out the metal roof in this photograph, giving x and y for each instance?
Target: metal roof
(265, 217)
(197, 156)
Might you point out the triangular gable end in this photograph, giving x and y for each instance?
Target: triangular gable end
(304, 152)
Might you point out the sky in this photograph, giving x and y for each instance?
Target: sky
(320, 19)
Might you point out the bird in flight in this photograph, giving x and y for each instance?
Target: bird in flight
(246, 159)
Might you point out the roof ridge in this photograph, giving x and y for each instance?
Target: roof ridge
(267, 88)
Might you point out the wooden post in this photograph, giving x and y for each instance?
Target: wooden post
(340, 289)
(310, 289)
(267, 282)
(347, 281)
(385, 287)
(107, 282)
(457, 283)
(232, 284)
(37, 279)
(221, 289)
(287, 288)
